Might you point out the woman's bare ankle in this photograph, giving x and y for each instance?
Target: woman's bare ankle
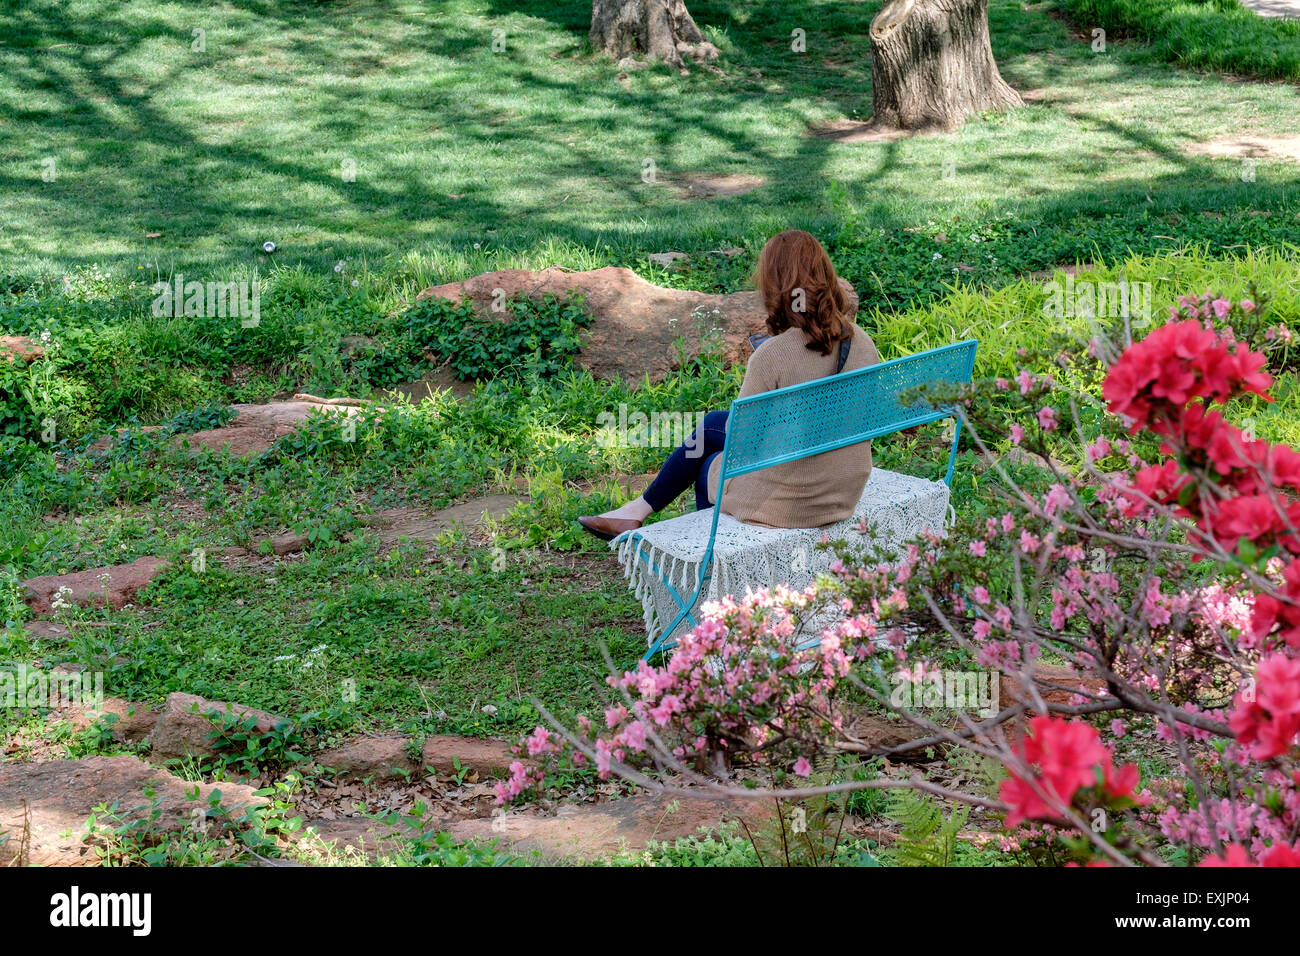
(637, 510)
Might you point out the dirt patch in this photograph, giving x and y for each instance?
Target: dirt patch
(1069, 269)
(392, 525)
(711, 187)
(857, 131)
(429, 385)
(1250, 146)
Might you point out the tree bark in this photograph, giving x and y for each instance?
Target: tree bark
(932, 65)
(659, 29)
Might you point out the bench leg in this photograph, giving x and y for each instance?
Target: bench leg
(658, 644)
(952, 455)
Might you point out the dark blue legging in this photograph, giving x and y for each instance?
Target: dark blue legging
(689, 465)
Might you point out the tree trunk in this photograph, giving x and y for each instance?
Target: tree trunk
(660, 29)
(932, 65)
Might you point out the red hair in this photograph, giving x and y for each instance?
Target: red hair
(800, 289)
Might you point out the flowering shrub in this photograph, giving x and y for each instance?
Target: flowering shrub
(1160, 577)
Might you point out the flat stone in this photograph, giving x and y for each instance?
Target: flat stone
(131, 722)
(254, 429)
(486, 757)
(19, 348)
(183, 727)
(44, 806)
(289, 543)
(587, 831)
(375, 758)
(1281, 9)
(387, 758)
(352, 837)
(113, 586)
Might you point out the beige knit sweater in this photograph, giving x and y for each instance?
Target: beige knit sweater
(811, 492)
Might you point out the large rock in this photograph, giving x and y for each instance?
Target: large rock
(19, 348)
(1055, 685)
(182, 729)
(634, 324)
(44, 806)
(113, 586)
(591, 830)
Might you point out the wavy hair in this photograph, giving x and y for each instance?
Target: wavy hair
(800, 289)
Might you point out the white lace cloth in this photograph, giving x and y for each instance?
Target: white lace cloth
(747, 557)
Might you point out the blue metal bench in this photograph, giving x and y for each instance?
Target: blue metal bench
(785, 425)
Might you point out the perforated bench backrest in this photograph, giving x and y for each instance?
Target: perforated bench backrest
(799, 421)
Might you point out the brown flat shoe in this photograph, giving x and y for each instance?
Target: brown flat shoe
(607, 529)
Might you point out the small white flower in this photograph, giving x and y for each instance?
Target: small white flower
(338, 266)
(478, 245)
(937, 257)
(356, 283)
(268, 246)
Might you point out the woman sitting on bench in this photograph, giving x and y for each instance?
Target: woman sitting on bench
(812, 335)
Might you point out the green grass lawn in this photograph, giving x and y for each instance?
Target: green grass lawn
(1200, 34)
(536, 153)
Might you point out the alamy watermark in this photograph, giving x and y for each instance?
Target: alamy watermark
(1092, 300)
(923, 687)
(659, 429)
(209, 300)
(29, 688)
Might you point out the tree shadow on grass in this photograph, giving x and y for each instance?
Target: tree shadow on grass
(542, 143)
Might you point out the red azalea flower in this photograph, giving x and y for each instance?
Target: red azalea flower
(1280, 854)
(1269, 723)
(1065, 755)
(1256, 518)
(1234, 855)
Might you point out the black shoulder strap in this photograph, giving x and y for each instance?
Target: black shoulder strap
(844, 354)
